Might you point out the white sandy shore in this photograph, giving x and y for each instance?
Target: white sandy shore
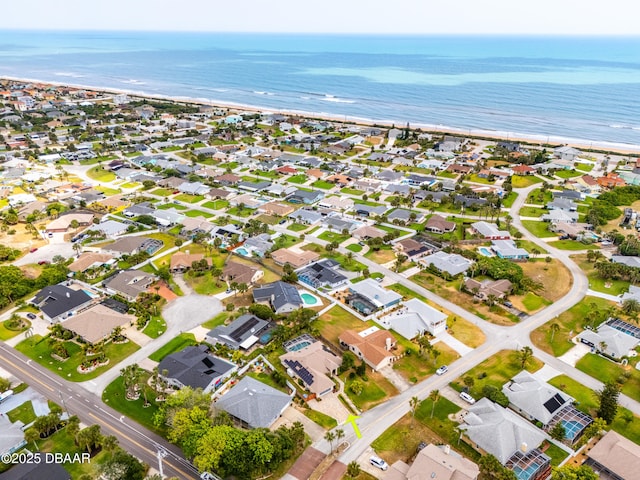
(622, 148)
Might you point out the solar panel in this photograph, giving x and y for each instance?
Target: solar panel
(240, 331)
(554, 403)
(207, 361)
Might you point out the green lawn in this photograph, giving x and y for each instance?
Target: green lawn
(606, 370)
(184, 197)
(217, 320)
(354, 247)
(323, 184)
(495, 370)
(529, 246)
(37, 348)
(509, 199)
(597, 283)
(245, 212)
(415, 367)
(568, 174)
(272, 174)
(333, 237)
(584, 167)
(205, 284)
(519, 181)
(533, 302)
(23, 413)
(325, 421)
(352, 191)
(174, 345)
(586, 401)
(376, 389)
(216, 204)
(286, 241)
(539, 229)
(298, 179)
(532, 211)
(167, 206)
(446, 174)
(99, 174)
(156, 327)
(7, 333)
(130, 185)
(476, 179)
(297, 227)
(556, 454)
(569, 322)
(114, 396)
(538, 197)
(198, 213)
(162, 192)
(573, 245)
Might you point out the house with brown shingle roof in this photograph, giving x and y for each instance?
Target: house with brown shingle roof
(241, 273)
(182, 261)
(97, 322)
(372, 345)
(366, 232)
(615, 457)
(438, 224)
(277, 209)
(482, 290)
(297, 259)
(228, 179)
(88, 260)
(315, 173)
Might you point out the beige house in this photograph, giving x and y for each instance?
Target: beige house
(297, 259)
(88, 260)
(97, 323)
(63, 223)
(615, 457)
(241, 273)
(277, 209)
(435, 462)
(482, 290)
(181, 262)
(372, 345)
(366, 232)
(314, 365)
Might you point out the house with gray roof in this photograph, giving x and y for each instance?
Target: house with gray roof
(168, 217)
(138, 209)
(193, 188)
(489, 231)
(308, 217)
(243, 333)
(195, 367)
(555, 216)
(627, 260)
(508, 250)
(368, 210)
(420, 180)
(397, 189)
(390, 175)
(254, 186)
(129, 283)
(561, 203)
(405, 216)
(368, 296)
(303, 196)
(340, 224)
(253, 404)
(323, 273)
(282, 297)
(111, 228)
(450, 263)
(415, 318)
(57, 302)
(260, 244)
(609, 341)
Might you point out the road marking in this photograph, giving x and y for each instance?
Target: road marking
(35, 379)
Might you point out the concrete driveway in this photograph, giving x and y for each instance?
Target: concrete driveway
(46, 253)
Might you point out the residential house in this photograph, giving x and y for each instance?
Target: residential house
(258, 245)
(195, 367)
(508, 250)
(434, 462)
(218, 193)
(367, 297)
(306, 217)
(282, 297)
(372, 345)
(483, 289)
(132, 245)
(367, 232)
(438, 224)
(566, 153)
(12, 440)
(414, 319)
(611, 180)
(254, 186)
(192, 226)
(228, 179)
(588, 184)
(459, 169)
(13, 436)
(63, 222)
(254, 404)
(610, 341)
(243, 333)
(129, 283)
(194, 188)
(490, 428)
(182, 261)
(411, 248)
(296, 258)
(449, 263)
(97, 323)
(229, 233)
(569, 195)
(405, 216)
(489, 231)
(340, 224)
(523, 170)
(337, 203)
(420, 180)
(57, 302)
(614, 457)
(395, 189)
(303, 196)
(89, 260)
(314, 365)
(111, 228)
(323, 274)
(276, 209)
(628, 260)
(560, 216)
(369, 211)
(241, 273)
(560, 203)
(169, 217)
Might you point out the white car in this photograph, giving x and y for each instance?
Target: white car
(467, 398)
(442, 370)
(378, 462)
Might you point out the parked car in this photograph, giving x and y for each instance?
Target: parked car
(508, 304)
(378, 462)
(31, 316)
(43, 262)
(33, 250)
(467, 398)
(50, 235)
(442, 370)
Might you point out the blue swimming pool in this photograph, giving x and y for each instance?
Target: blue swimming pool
(526, 473)
(571, 428)
(90, 293)
(242, 251)
(309, 299)
(485, 252)
(299, 346)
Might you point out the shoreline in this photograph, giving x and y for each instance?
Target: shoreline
(531, 139)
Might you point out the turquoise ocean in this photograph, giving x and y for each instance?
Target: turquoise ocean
(578, 88)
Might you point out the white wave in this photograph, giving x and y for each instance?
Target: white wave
(305, 98)
(615, 125)
(133, 81)
(331, 98)
(69, 74)
(260, 92)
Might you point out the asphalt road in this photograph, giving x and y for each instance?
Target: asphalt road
(133, 438)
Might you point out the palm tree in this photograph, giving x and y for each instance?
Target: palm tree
(130, 377)
(73, 427)
(31, 435)
(353, 469)
(434, 396)
(554, 329)
(339, 435)
(413, 404)
(330, 437)
(525, 353)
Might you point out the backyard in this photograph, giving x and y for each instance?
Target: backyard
(605, 370)
(174, 345)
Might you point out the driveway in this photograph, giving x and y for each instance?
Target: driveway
(575, 354)
(46, 253)
(292, 415)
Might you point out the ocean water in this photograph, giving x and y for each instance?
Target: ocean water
(584, 88)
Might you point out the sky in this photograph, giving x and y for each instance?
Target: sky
(542, 17)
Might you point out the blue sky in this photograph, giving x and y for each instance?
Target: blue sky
(571, 17)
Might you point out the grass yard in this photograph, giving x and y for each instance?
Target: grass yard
(532, 211)
(335, 321)
(529, 246)
(205, 284)
(495, 370)
(382, 256)
(573, 245)
(539, 229)
(533, 302)
(217, 320)
(509, 199)
(569, 322)
(519, 181)
(565, 174)
(106, 190)
(586, 401)
(297, 227)
(556, 454)
(37, 348)
(198, 213)
(538, 197)
(156, 327)
(376, 389)
(176, 206)
(174, 345)
(216, 204)
(99, 174)
(333, 237)
(613, 287)
(606, 370)
(477, 179)
(162, 192)
(186, 198)
(325, 421)
(350, 265)
(352, 191)
(114, 396)
(415, 367)
(323, 184)
(23, 413)
(245, 212)
(554, 276)
(354, 247)
(298, 179)
(584, 167)
(7, 333)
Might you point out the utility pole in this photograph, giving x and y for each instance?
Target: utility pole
(161, 454)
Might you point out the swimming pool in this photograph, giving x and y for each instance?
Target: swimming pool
(309, 300)
(571, 428)
(485, 252)
(90, 293)
(525, 473)
(242, 251)
(299, 346)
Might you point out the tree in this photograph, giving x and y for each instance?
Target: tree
(90, 438)
(573, 472)
(339, 436)
(110, 443)
(5, 384)
(558, 432)
(468, 381)
(130, 377)
(413, 404)
(356, 387)
(31, 435)
(524, 354)
(555, 328)
(597, 427)
(73, 427)
(353, 469)
(631, 307)
(122, 465)
(434, 396)
(608, 401)
(330, 437)
(490, 467)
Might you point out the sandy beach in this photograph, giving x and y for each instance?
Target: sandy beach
(531, 139)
